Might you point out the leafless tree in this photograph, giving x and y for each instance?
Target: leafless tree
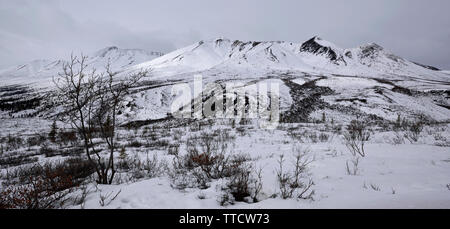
(111, 95)
(91, 103)
(77, 90)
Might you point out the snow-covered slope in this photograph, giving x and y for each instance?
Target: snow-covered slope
(121, 58)
(313, 56)
(39, 73)
(367, 79)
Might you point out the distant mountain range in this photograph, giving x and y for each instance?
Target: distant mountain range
(315, 76)
(41, 72)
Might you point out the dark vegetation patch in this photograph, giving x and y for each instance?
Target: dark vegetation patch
(43, 186)
(306, 99)
(10, 161)
(402, 90)
(17, 98)
(352, 100)
(396, 88)
(168, 122)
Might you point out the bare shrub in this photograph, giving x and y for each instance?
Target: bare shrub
(80, 199)
(145, 131)
(244, 185)
(398, 139)
(91, 105)
(226, 199)
(375, 187)
(47, 151)
(353, 169)
(295, 135)
(414, 131)
(177, 134)
(40, 193)
(241, 131)
(36, 140)
(257, 185)
(439, 137)
(297, 182)
(173, 150)
(337, 128)
(107, 199)
(239, 184)
(43, 187)
(136, 168)
(154, 167)
(195, 127)
(135, 144)
(10, 161)
(158, 144)
(203, 167)
(68, 137)
(78, 168)
(323, 137)
(206, 159)
(356, 137)
(313, 137)
(13, 143)
(245, 121)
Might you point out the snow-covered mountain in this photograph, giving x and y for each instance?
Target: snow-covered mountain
(314, 56)
(314, 76)
(366, 80)
(39, 73)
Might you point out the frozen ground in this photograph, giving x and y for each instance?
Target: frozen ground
(408, 176)
(393, 174)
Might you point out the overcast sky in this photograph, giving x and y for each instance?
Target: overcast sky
(418, 30)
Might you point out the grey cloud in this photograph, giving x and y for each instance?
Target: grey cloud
(29, 29)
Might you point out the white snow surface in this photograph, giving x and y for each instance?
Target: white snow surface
(40, 73)
(224, 59)
(406, 176)
(367, 60)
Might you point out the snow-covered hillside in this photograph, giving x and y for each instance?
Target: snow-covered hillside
(162, 162)
(368, 79)
(39, 73)
(313, 56)
(228, 58)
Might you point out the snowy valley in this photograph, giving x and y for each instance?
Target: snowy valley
(359, 128)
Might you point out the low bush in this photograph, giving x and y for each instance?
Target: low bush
(12, 142)
(44, 186)
(414, 131)
(295, 183)
(136, 168)
(36, 140)
(356, 136)
(10, 161)
(68, 137)
(206, 159)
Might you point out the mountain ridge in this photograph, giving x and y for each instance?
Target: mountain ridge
(314, 55)
(41, 71)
